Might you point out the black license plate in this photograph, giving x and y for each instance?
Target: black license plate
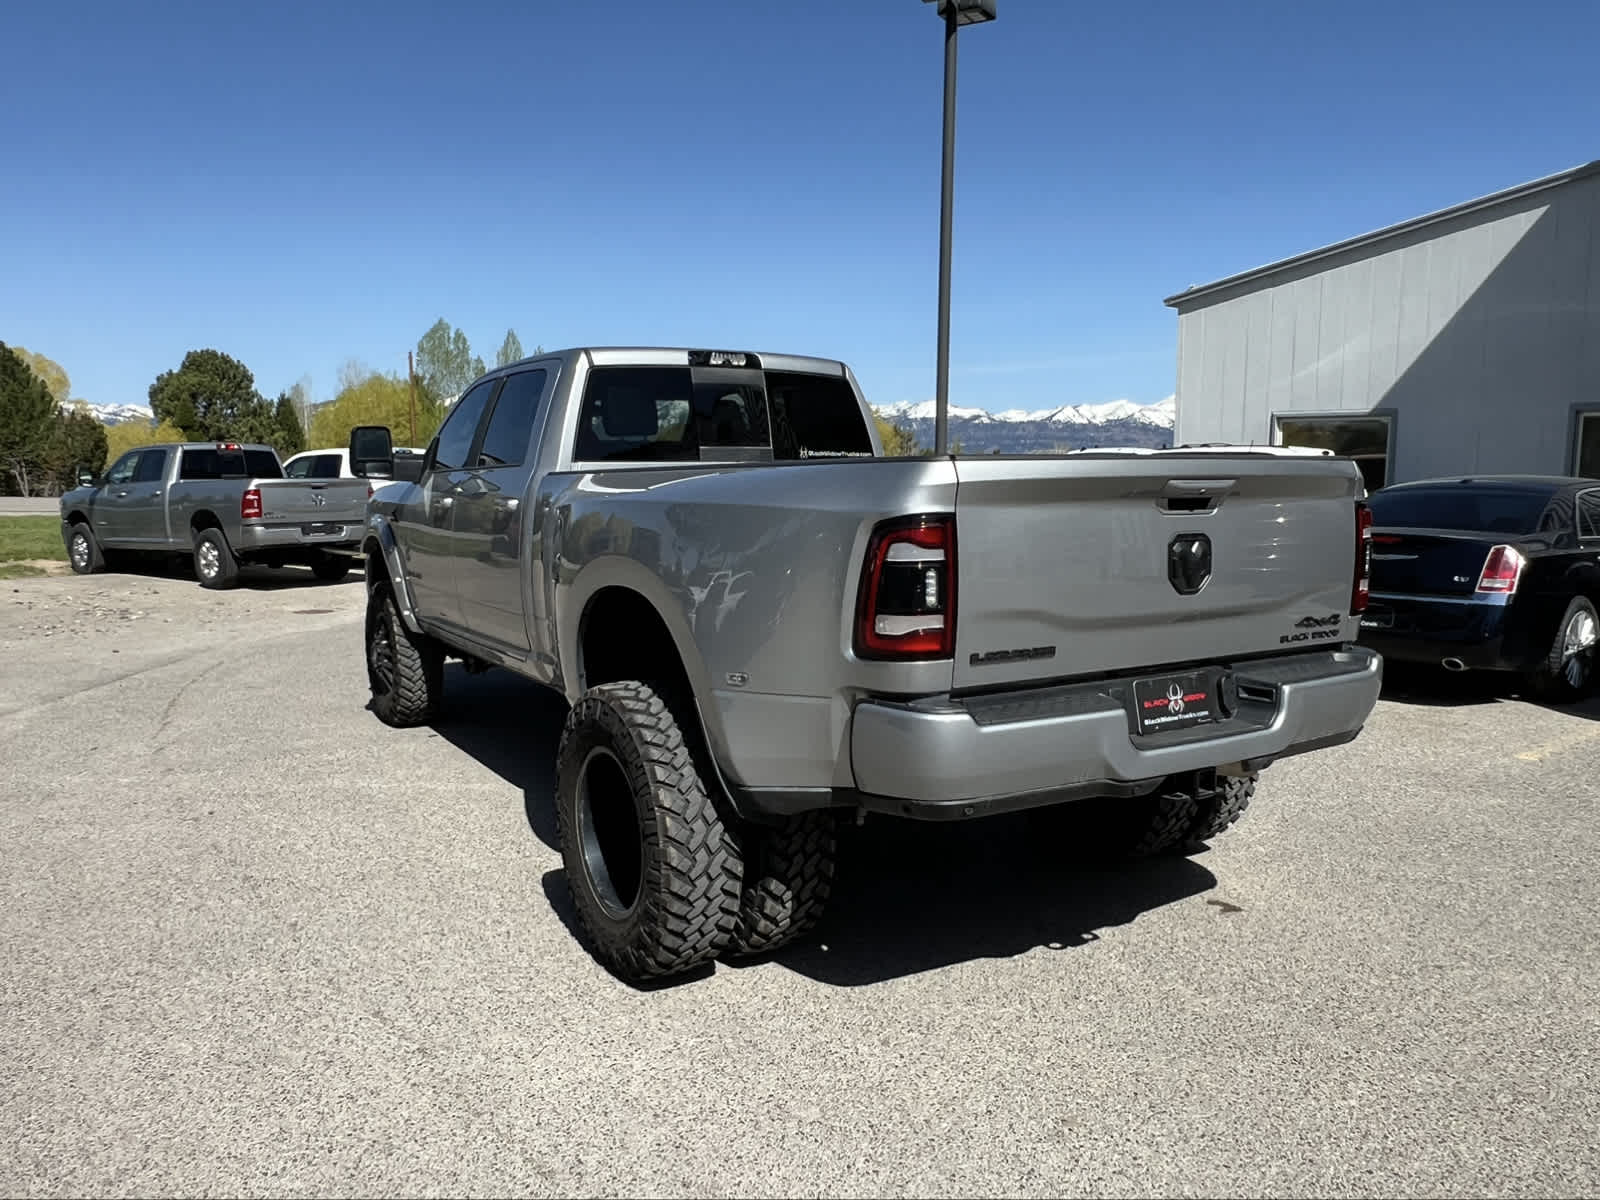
(321, 528)
(1167, 702)
(1378, 618)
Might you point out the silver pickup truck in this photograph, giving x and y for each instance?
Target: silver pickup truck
(762, 623)
(223, 503)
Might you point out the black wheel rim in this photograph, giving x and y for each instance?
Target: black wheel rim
(609, 838)
(382, 656)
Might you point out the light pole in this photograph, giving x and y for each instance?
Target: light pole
(956, 13)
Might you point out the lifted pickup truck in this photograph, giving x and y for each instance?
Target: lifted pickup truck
(761, 623)
(221, 502)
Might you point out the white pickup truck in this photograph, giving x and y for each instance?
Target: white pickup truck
(223, 503)
(761, 623)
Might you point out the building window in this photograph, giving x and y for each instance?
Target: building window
(1586, 449)
(1365, 438)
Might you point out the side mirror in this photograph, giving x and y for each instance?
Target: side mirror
(372, 451)
(85, 477)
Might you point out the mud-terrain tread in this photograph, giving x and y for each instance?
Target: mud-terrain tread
(1171, 814)
(788, 880)
(418, 669)
(1222, 810)
(692, 870)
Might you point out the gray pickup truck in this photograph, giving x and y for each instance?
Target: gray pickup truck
(224, 503)
(761, 623)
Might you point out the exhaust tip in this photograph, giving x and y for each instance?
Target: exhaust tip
(1452, 664)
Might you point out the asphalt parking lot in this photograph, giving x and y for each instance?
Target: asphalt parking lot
(256, 942)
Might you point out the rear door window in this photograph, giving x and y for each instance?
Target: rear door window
(505, 441)
(152, 466)
(1589, 515)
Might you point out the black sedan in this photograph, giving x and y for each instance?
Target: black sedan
(1494, 572)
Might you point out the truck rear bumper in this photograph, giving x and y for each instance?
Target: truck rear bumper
(993, 753)
(342, 537)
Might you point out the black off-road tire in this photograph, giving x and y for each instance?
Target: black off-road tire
(1217, 813)
(86, 558)
(214, 564)
(1163, 821)
(405, 670)
(1562, 678)
(331, 568)
(788, 878)
(657, 889)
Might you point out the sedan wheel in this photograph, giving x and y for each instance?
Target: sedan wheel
(1578, 647)
(1567, 673)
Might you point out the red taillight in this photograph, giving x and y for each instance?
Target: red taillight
(250, 504)
(906, 608)
(1501, 571)
(1362, 587)
(369, 491)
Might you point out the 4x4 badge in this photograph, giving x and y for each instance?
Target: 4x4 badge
(1318, 622)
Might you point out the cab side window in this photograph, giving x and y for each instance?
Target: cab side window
(122, 470)
(460, 427)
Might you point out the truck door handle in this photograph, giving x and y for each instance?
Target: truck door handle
(446, 501)
(155, 493)
(122, 493)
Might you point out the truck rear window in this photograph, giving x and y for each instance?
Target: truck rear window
(209, 463)
(1490, 510)
(669, 414)
(815, 415)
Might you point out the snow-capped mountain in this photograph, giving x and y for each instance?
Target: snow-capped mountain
(1017, 430)
(116, 414)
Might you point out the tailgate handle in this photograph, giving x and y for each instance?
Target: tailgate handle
(1193, 495)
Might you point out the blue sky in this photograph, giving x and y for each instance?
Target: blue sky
(304, 184)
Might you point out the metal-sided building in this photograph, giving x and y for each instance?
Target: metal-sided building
(1464, 341)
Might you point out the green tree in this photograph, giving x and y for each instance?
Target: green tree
(212, 396)
(376, 399)
(125, 435)
(291, 438)
(27, 421)
(510, 349)
(49, 372)
(898, 441)
(445, 362)
(78, 441)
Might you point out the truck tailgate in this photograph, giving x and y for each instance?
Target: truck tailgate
(1069, 567)
(313, 502)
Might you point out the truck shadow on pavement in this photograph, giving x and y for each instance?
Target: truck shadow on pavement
(909, 896)
(252, 576)
(512, 727)
(1434, 687)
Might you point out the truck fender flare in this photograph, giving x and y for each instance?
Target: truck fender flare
(379, 541)
(572, 600)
